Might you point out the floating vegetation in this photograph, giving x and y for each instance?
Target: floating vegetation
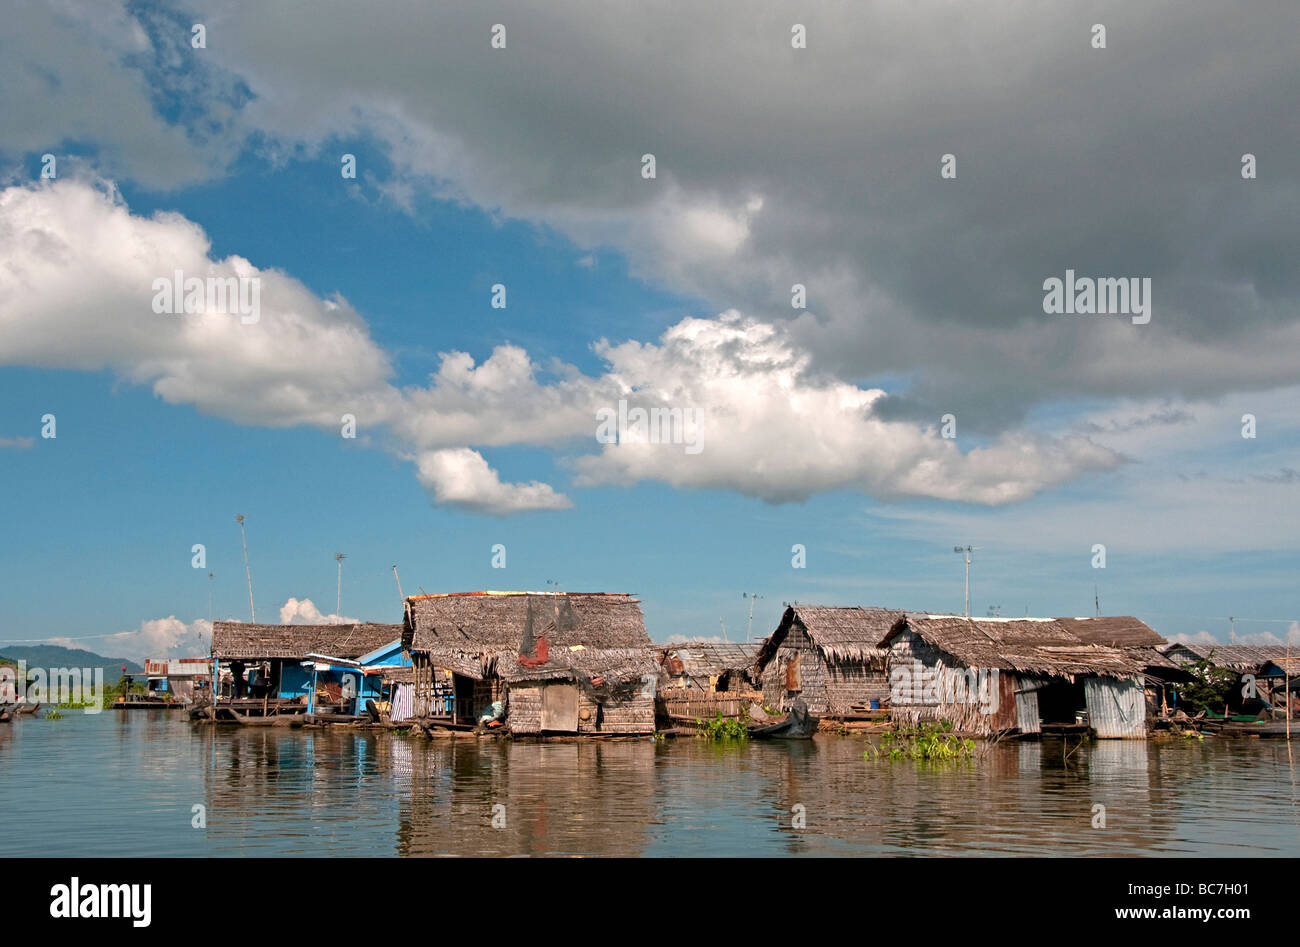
(929, 741)
(53, 714)
(722, 728)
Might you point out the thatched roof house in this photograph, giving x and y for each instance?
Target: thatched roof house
(830, 657)
(711, 666)
(234, 640)
(271, 663)
(988, 675)
(1242, 658)
(1131, 635)
(561, 662)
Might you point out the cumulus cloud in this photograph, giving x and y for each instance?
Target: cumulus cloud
(1200, 637)
(1268, 638)
(463, 479)
(155, 638)
(938, 280)
(304, 612)
(766, 422)
(77, 290)
(768, 426)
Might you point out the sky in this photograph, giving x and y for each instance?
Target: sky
(812, 240)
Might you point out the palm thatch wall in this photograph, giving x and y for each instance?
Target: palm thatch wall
(831, 657)
(706, 665)
(1040, 646)
(594, 641)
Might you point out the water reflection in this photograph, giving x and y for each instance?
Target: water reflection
(126, 783)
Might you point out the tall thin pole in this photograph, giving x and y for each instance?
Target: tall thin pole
(239, 518)
(752, 596)
(399, 584)
(968, 550)
(338, 605)
(968, 581)
(209, 598)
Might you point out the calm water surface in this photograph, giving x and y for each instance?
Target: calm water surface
(125, 783)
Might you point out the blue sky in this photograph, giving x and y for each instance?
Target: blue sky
(822, 425)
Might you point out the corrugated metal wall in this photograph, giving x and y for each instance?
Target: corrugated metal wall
(403, 702)
(1116, 708)
(1027, 716)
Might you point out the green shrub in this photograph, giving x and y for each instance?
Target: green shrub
(929, 741)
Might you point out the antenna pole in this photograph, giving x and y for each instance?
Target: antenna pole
(399, 584)
(338, 606)
(752, 596)
(239, 518)
(968, 550)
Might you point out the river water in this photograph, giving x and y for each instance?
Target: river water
(127, 783)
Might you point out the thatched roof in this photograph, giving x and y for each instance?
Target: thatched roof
(1129, 634)
(1244, 658)
(843, 634)
(614, 665)
(708, 658)
(1027, 645)
(241, 640)
(1114, 631)
(483, 633)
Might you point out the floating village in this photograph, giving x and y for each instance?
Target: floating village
(568, 665)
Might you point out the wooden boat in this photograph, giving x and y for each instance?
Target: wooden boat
(25, 709)
(797, 725)
(4, 715)
(274, 720)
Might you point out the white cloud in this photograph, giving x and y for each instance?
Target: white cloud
(1201, 637)
(304, 612)
(76, 291)
(463, 479)
(155, 638)
(77, 286)
(771, 428)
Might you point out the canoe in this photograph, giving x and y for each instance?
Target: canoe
(797, 725)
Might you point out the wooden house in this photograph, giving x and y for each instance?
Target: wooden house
(1263, 663)
(700, 680)
(995, 675)
(710, 667)
(1143, 644)
(268, 670)
(375, 676)
(569, 662)
(831, 657)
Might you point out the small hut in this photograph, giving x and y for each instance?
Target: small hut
(831, 657)
(710, 667)
(995, 675)
(567, 662)
(1143, 644)
(1264, 665)
(268, 670)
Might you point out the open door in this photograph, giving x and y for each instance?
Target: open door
(560, 708)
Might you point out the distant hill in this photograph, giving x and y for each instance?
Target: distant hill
(56, 656)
